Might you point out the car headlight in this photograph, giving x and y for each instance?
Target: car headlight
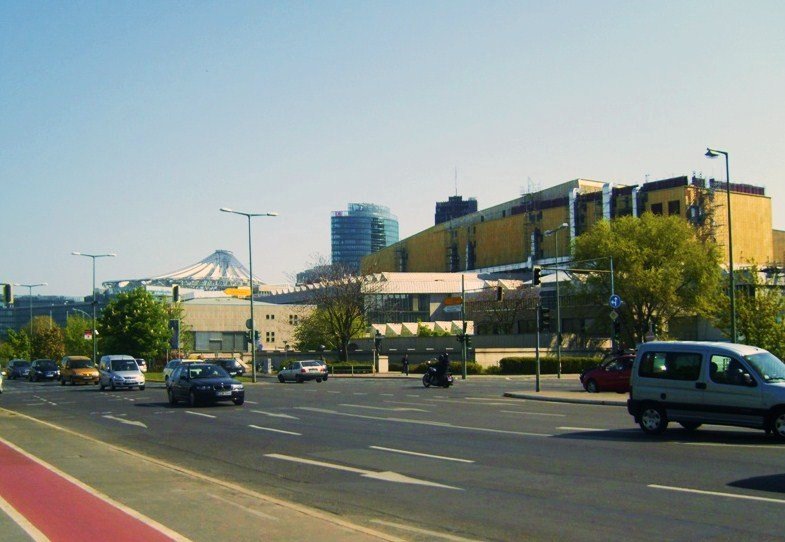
(117, 377)
(237, 387)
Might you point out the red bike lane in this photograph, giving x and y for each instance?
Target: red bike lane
(63, 509)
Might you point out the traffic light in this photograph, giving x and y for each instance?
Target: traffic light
(616, 327)
(537, 272)
(175, 293)
(468, 340)
(8, 294)
(499, 293)
(256, 335)
(459, 337)
(377, 341)
(545, 318)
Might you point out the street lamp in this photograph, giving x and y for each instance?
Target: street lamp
(555, 232)
(250, 279)
(93, 299)
(30, 290)
(714, 153)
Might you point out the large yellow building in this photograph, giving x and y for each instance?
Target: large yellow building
(537, 228)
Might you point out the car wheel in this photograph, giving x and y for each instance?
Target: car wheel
(298, 379)
(319, 380)
(192, 399)
(654, 422)
(281, 379)
(113, 386)
(777, 424)
(238, 402)
(591, 386)
(141, 388)
(170, 395)
(690, 426)
(325, 378)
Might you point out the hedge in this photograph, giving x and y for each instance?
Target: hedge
(548, 365)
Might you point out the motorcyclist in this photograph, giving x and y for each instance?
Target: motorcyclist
(443, 367)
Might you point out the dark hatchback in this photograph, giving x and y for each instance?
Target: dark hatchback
(43, 369)
(199, 383)
(613, 374)
(230, 365)
(18, 368)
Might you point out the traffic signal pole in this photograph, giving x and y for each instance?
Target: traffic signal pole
(537, 348)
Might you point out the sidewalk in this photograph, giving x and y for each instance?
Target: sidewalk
(154, 491)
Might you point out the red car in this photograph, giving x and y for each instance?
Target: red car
(613, 374)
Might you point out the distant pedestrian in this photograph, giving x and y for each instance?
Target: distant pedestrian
(405, 363)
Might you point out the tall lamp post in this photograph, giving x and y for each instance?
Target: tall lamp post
(714, 153)
(250, 279)
(30, 290)
(555, 232)
(93, 299)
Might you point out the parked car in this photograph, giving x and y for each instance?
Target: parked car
(120, 371)
(230, 365)
(142, 364)
(43, 369)
(613, 374)
(693, 383)
(198, 383)
(300, 371)
(18, 368)
(78, 370)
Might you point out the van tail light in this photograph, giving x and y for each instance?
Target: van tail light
(303, 371)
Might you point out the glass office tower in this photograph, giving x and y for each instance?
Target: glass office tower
(362, 229)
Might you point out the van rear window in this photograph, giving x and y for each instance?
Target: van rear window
(671, 365)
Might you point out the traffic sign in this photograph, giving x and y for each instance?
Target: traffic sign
(614, 301)
(614, 315)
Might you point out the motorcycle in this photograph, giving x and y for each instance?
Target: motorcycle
(432, 378)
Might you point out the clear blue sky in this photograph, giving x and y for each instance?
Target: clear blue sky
(124, 126)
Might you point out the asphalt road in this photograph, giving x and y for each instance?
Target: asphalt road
(458, 464)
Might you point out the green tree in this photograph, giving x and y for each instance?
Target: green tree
(500, 316)
(73, 336)
(16, 346)
(760, 311)
(312, 332)
(135, 323)
(662, 270)
(47, 339)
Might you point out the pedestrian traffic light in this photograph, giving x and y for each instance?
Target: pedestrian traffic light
(468, 340)
(175, 293)
(499, 293)
(8, 294)
(545, 318)
(537, 272)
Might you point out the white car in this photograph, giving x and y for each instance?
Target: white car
(300, 371)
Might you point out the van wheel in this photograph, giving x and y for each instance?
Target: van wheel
(777, 424)
(281, 379)
(654, 422)
(690, 426)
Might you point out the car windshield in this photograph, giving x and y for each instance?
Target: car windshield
(81, 364)
(47, 365)
(768, 366)
(207, 371)
(123, 365)
(22, 364)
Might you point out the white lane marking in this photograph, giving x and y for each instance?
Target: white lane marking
(94, 492)
(387, 395)
(580, 429)
(424, 422)
(22, 521)
(243, 508)
(275, 415)
(126, 422)
(533, 413)
(333, 391)
(276, 430)
(406, 403)
(774, 447)
(43, 400)
(199, 414)
(717, 494)
(359, 393)
(392, 409)
(419, 454)
(251, 402)
(413, 396)
(429, 534)
(385, 476)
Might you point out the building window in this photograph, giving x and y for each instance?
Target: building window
(294, 319)
(269, 337)
(270, 316)
(656, 208)
(674, 207)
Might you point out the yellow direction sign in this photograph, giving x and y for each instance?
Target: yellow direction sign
(242, 291)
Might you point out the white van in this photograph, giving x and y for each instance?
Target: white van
(693, 383)
(119, 371)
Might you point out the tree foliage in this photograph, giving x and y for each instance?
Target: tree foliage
(661, 269)
(760, 311)
(16, 345)
(135, 323)
(47, 340)
(493, 316)
(340, 310)
(73, 336)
